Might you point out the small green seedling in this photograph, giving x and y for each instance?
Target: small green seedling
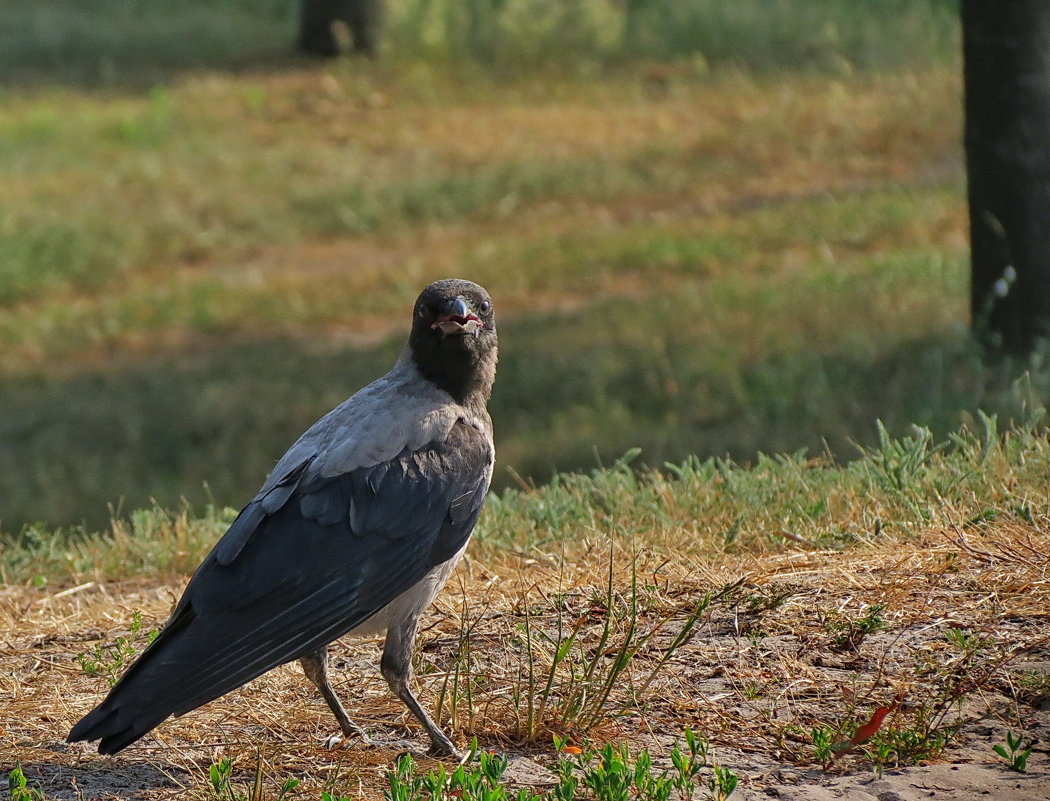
(688, 764)
(823, 745)
(1012, 752)
(18, 787)
(849, 633)
(219, 775)
(289, 785)
(722, 783)
(967, 644)
(110, 661)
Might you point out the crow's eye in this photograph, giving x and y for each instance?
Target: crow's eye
(422, 311)
(484, 307)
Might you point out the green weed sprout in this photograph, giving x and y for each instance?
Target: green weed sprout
(1016, 758)
(110, 661)
(18, 787)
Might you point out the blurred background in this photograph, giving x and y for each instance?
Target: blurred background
(709, 227)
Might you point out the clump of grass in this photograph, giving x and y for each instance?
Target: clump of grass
(609, 773)
(936, 719)
(570, 664)
(847, 633)
(224, 788)
(752, 603)
(1031, 686)
(704, 503)
(151, 541)
(570, 672)
(925, 738)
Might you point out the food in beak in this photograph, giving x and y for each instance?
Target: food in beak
(455, 324)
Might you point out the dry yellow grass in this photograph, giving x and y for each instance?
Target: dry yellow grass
(762, 669)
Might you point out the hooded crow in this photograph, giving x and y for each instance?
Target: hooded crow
(355, 531)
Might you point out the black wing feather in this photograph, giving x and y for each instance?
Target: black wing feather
(337, 551)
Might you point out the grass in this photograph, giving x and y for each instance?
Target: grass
(130, 44)
(767, 602)
(755, 478)
(609, 774)
(126, 43)
(188, 221)
(698, 508)
(110, 663)
(744, 263)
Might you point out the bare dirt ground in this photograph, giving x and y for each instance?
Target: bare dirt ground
(956, 627)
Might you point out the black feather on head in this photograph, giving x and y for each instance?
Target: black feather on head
(453, 339)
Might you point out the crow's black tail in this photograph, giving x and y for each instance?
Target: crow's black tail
(199, 658)
(139, 701)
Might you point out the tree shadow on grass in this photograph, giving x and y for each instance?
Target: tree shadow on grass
(210, 425)
(136, 44)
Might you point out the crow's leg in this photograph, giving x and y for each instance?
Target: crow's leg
(396, 666)
(315, 666)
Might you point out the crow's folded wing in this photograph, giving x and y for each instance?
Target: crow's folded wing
(312, 558)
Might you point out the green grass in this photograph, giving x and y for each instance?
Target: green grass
(609, 773)
(774, 35)
(697, 508)
(632, 375)
(825, 503)
(127, 43)
(668, 281)
(703, 360)
(205, 244)
(132, 44)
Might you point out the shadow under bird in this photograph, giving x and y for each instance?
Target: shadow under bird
(355, 532)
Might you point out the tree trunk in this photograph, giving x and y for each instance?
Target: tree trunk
(1006, 54)
(363, 18)
(632, 25)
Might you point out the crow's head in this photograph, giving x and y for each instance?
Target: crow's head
(453, 339)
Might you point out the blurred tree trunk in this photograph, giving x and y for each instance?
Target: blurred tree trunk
(1006, 55)
(632, 15)
(483, 29)
(364, 19)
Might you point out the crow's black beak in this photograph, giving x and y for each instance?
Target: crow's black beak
(457, 318)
